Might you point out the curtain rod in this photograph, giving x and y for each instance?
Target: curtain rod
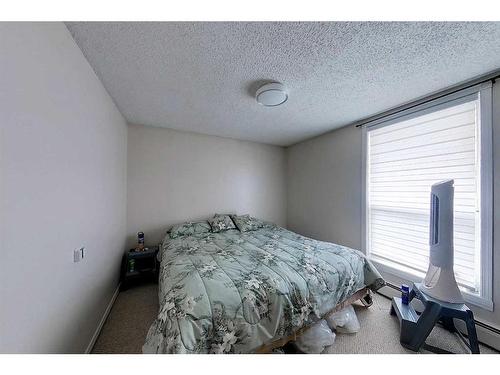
(492, 76)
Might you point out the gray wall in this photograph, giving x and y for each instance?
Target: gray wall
(63, 180)
(176, 176)
(325, 187)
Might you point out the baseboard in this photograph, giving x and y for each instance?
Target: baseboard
(101, 322)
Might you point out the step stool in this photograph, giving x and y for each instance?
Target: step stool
(415, 328)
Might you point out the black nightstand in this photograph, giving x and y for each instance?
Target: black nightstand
(145, 267)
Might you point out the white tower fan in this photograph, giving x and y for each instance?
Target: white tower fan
(440, 280)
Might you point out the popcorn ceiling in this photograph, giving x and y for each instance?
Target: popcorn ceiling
(202, 76)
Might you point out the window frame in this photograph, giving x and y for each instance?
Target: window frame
(483, 92)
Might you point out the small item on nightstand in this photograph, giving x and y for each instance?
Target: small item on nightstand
(140, 242)
(405, 294)
(131, 265)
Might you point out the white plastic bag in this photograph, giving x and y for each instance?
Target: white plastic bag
(316, 338)
(344, 321)
(278, 351)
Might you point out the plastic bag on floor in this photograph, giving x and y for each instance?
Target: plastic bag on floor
(344, 321)
(278, 351)
(316, 338)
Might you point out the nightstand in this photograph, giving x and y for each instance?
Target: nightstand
(145, 267)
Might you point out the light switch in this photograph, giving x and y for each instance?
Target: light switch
(78, 254)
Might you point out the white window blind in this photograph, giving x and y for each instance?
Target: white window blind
(403, 160)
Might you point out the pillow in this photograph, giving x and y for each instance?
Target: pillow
(189, 228)
(221, 222)
(246, 223)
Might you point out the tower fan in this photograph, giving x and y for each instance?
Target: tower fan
(440, 280)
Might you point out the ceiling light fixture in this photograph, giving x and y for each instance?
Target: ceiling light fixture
(271, 94)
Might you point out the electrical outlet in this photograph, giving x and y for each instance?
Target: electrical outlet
(78, 254)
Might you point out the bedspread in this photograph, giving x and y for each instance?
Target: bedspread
(231, 292)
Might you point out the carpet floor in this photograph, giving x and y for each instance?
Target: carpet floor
(135, 309)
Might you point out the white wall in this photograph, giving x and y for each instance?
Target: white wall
(325, 187)
(62, 186)
(176, 176)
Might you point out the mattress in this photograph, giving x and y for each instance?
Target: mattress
(232, 291)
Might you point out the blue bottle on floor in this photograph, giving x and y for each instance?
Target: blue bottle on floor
(405, 294)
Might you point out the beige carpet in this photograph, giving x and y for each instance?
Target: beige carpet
(129, 320)
(135, 309)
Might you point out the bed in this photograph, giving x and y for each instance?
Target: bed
(247, 292)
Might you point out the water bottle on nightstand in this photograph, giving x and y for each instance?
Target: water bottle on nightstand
(140, 241)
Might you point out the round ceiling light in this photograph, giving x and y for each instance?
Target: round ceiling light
(271, 94)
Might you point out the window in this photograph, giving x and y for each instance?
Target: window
(408, 153)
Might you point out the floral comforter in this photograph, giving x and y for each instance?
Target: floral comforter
(231, 292)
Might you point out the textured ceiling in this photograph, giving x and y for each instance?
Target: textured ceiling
(201, 76)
